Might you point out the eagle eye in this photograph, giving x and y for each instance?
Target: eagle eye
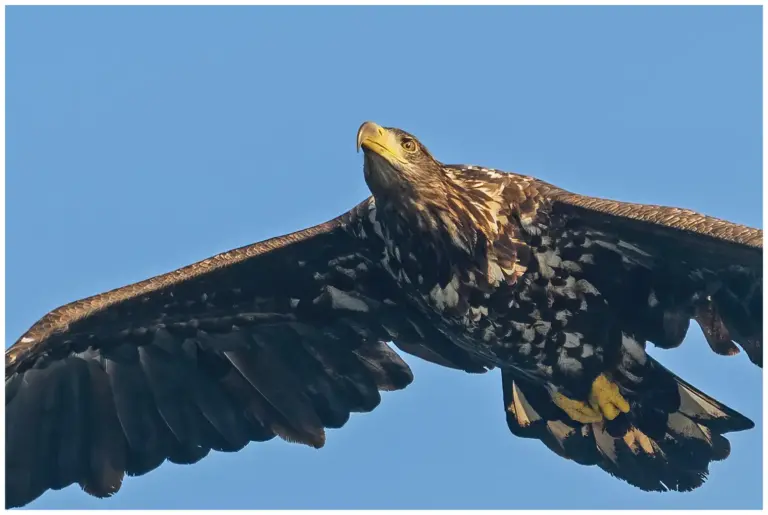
(408, 144)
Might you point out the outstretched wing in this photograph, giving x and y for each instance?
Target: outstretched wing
(284, 337)
(656, 268)
(663, 266)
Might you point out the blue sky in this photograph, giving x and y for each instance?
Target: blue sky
(143, 139)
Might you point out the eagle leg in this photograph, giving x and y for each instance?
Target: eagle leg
(605, 401)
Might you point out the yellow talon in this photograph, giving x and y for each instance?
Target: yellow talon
(605, 401)
(577, 410)
(606, 398)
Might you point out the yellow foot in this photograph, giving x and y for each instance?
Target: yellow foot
(605, 401)
(577, 410)
(605, 396)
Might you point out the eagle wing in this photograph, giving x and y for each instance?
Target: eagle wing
(700, 267)
(285, 337)
(657, 268)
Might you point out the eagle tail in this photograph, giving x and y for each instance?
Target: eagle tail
(666, 442)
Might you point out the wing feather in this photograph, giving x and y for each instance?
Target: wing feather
(673, 265)
(281, 338)
(703, 239)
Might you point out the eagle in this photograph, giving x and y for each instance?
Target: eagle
(463, 266)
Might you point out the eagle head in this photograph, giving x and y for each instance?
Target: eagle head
(398, 168)
(415, 193)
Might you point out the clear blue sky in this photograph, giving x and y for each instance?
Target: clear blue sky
(143, 139)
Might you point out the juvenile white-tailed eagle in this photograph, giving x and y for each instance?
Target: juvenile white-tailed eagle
(463, 266)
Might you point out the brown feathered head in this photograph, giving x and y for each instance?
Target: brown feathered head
(398, 168)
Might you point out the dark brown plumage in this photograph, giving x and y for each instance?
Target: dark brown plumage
(463, 266)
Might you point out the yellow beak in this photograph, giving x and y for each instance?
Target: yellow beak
(375, 138)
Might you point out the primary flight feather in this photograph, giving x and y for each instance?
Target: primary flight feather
(463, 266)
